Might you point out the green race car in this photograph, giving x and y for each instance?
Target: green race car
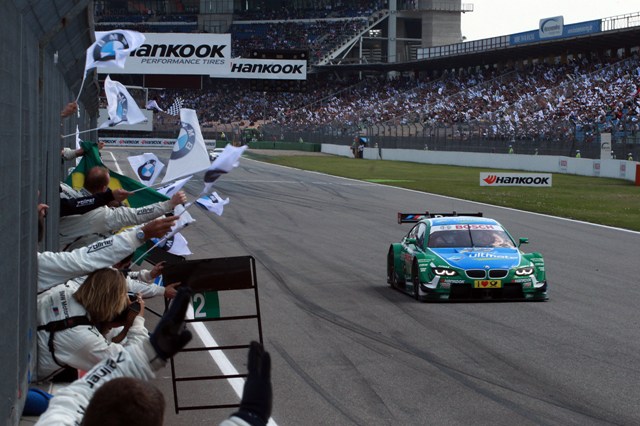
(449, 256)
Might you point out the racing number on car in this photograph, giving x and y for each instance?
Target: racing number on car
(487, 284)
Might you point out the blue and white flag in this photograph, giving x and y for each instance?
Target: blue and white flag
(176, 244)
(78, 141)
(213, 203)
(122, 108)
(112, 48)
(147, 167)
(224, 163)
(153, 105)
(173, 187)
(189, 154)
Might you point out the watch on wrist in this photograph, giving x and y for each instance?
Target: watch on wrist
(140, 234)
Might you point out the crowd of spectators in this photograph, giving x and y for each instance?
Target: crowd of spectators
(581, 97)
(318, 37)
(318, 10)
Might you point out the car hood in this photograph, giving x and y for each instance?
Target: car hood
(480, 258)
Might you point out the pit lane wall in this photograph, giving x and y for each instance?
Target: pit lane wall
(616, 169)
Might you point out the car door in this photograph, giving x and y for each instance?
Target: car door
(413, 245)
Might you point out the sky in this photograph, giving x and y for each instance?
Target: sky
(491, 18)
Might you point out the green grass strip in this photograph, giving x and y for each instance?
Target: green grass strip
(606, 201)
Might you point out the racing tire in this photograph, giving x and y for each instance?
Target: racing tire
(391, 270)
(415, 279)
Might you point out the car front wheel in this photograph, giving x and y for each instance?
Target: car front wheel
(415, 279)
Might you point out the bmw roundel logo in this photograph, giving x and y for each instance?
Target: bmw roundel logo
(169, 243)
(185, 143)
(107, 46)
(123, 107)
(147, 169)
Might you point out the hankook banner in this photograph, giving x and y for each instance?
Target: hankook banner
(177, 53)
(515, 179)
(203, 54)
(148, 142)
(267, 69)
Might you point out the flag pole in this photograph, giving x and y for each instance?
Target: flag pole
(84, 77)
(169, 235)
(83, 131)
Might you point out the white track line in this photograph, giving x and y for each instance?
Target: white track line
(226, 367)
(115, 162)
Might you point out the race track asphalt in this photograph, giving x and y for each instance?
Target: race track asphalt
(349, 350)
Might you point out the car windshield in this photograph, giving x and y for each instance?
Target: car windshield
(459, 236)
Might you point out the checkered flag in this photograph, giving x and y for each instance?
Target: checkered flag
(174, 109)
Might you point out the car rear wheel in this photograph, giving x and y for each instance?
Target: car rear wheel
(415, 279)
(392, 280)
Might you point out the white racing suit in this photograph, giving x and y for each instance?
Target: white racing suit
(82, 229)
(59, 267)
(80, 346)
(142, 282)
(139, 360)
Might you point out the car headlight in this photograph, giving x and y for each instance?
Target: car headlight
(444, 272)
(527, 270)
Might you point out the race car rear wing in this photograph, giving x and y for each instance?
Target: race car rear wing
(416, 217)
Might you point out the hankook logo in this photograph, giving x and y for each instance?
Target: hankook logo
(179, 51)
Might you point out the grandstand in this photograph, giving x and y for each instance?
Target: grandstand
(400, 73)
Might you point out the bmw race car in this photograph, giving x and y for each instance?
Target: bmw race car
(450, 256)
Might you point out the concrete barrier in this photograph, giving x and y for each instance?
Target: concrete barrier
(616, 169)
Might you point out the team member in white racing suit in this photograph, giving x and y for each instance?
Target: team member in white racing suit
(103, 397)
(138, 360)
(59, 267)
(83, 229)
(74, 318)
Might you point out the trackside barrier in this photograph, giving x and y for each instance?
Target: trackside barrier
(637, 174)
(207, 278)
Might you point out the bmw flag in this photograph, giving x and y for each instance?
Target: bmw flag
(189, 154)
(122, 108)
(112, 48)
(171, 188)
(147, 167)
(214, 203)
(224, 163)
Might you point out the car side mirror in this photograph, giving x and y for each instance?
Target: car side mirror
(410, 241)
(522, 241)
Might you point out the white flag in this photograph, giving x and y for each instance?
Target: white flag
(189, 152)
(173, 187)
(224, 163)
(78, 140)
(122, 108)
(176, 244)
(147, 167)
(112, 48)
(153, 105)
(214, 203)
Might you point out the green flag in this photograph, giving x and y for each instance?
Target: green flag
(91, 158)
